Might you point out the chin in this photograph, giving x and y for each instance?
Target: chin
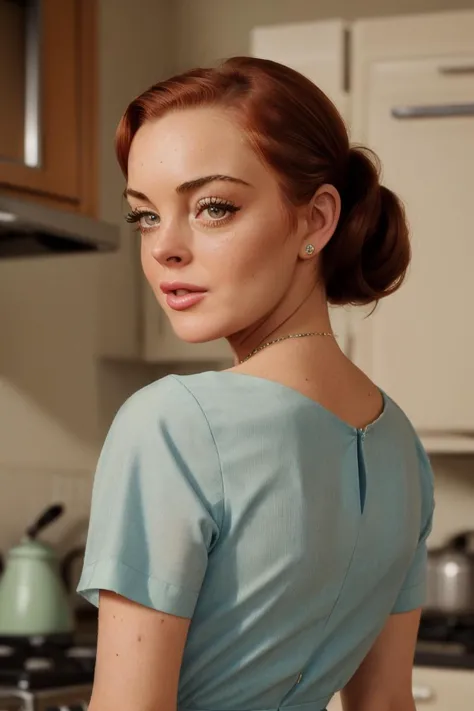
(197, 330)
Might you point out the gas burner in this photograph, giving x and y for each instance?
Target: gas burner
(35, 642)
(449, 630)
(6, 651)
(81, 653)
(33, 664)
(445, 641)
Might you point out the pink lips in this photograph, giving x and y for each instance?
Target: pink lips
(181, 296)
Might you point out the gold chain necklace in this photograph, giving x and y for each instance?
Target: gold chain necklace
(284, 338)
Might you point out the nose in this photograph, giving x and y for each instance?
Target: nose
(170, 246)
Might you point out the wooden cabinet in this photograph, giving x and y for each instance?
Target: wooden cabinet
(319, 51)
(413, 103)
(48, 97)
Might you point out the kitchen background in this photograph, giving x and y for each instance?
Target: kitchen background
(79, 333)
(61, 317)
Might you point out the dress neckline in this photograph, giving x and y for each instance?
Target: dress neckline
(305, 398)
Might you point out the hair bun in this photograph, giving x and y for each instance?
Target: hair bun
(368, 255)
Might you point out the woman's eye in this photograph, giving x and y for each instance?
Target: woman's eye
(217, 212)
(149, 219)
(144, 220)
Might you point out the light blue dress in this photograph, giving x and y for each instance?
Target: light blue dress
(287, 535)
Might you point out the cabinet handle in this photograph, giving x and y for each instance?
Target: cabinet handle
(423, 693)
(433, 111)
(457, 69)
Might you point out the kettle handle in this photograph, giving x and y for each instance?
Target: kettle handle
(47, 517)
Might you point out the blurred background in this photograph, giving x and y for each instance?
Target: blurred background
(79, 329)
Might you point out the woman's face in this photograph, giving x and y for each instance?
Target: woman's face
(216, 246)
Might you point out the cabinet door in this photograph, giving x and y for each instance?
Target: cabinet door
(419, 345)
(47, 99)
(319, 51)
(316, 49)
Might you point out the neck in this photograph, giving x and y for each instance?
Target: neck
(293, 315)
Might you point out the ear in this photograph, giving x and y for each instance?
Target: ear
(323, 215)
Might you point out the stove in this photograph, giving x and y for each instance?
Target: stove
(44, 674)
(445, 641)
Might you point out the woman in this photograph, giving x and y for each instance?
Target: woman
(257, 538)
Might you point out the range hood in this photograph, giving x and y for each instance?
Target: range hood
(31, 230)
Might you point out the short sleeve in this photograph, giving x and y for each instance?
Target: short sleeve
(412, 594)
(157, 502)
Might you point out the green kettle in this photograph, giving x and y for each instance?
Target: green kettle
(33, 596)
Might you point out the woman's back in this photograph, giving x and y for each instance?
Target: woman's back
(313, 531)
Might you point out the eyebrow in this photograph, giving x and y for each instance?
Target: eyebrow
(189, 186)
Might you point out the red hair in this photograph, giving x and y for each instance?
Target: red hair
(298, 132)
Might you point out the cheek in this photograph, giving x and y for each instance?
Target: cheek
(261, 249)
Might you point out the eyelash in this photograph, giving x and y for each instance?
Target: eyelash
(219, 203)
(135, 215)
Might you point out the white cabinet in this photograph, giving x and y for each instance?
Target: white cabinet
(316, 49)
(413, 103)
(319, 51)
